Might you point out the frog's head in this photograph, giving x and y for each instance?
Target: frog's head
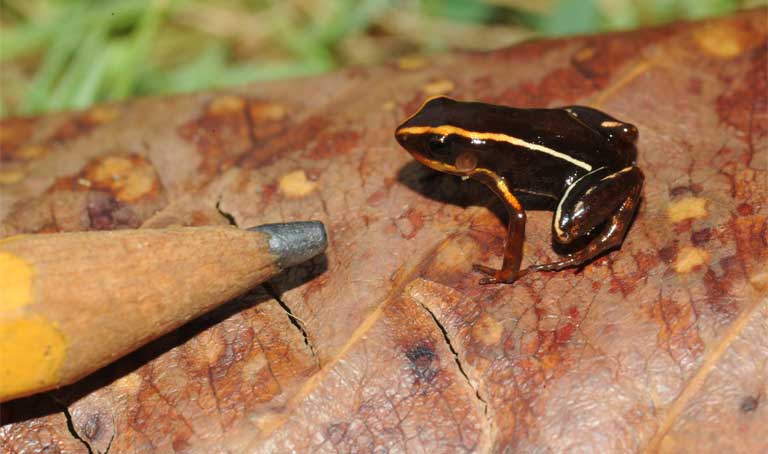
(433, 140)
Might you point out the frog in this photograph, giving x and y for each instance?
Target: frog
(576, 161)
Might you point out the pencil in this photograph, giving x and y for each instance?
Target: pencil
(70, 303)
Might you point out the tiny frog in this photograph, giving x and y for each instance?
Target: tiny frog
(575, 160)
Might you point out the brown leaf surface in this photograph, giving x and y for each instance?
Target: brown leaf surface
(387, 343)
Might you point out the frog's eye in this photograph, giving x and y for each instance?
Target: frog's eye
(439, 146)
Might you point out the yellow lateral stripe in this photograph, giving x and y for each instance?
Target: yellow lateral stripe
(498, 137)
(501, 183)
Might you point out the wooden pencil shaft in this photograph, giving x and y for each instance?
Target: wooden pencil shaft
(73, 302)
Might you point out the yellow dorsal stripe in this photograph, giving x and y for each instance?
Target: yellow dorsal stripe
(495, 136)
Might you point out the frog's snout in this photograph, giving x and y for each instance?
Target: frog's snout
(407, 141)
(401, 138)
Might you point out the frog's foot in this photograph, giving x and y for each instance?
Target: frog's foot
(491, 279)
(497, 276)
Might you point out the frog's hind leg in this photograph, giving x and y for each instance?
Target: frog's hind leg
(597, 198)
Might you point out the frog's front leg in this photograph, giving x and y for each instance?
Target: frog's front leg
(513, 245)
(599, 197)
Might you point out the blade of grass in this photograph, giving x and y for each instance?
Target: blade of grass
(138, 50)
(298, 40)
(92, 82)
(572, 17)
(65, 40)
(354, 16)
(259, 72)
(198, 74)
(619, 15)
(658, 11)
(78, 70)
(29, 37)
(24, 39)
(460, 10)
(697, 9)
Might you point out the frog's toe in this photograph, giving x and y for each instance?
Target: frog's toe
(497, 276)
(484, 269)
(488, 281)
(493, 275)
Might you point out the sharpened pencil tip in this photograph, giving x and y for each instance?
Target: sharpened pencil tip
(294, 242)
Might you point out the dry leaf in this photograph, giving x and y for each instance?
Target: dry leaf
(390, 345)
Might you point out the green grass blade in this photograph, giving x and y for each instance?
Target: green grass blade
(78, 70)
(246, 73)
(572, 17)
(24, 39)
(201, 73)
(65, 41)
(89, 87)
(138, 50)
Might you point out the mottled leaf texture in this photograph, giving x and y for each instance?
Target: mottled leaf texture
(387, 343)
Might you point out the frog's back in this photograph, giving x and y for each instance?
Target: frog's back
(541, 151)
(541, 130)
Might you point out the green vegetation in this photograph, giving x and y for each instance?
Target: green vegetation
(69, 54)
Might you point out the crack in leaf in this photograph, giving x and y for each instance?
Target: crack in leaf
(109, 445)
(230, 218)
(402, 276)
(456, 357)
(295, 321)
(71, 425)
